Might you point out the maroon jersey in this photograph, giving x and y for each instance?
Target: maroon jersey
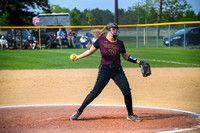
(110, 50)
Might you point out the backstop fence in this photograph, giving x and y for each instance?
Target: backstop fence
(158, 35)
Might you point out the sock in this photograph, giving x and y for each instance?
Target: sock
(87, 101)
(128, 102)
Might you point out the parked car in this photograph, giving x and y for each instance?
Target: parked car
(192, 35)
(49, 37)
(11, 37)
(89, 36)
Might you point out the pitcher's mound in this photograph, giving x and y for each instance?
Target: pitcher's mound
(95, 119)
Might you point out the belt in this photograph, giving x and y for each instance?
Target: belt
(112, 65)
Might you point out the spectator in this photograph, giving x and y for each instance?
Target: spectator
(60, 36)
(70, 36)
(83, 42)
(3, 42)
(90, 43)
(30, 42)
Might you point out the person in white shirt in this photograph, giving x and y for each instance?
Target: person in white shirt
(83, 42)
(3, 42)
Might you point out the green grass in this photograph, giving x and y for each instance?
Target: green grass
(166, 57)
(59, 58)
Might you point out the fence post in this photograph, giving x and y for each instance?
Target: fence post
(40, 45)
(136, 36)
(184, 37)
(146, 36)
(157, 36)
(169, 36)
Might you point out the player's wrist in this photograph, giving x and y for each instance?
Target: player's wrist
(132, 59)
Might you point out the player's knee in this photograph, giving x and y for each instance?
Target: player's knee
(126, 91)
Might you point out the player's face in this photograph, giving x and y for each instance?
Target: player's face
(114, 31)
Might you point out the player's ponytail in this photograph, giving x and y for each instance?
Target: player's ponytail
(102, 33)
(99, 33)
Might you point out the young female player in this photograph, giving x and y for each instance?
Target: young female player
(110, 67)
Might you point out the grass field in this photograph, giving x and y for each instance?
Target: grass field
(162, 56)
(59, 58)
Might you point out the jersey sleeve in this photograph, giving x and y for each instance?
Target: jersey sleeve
(123, 50)
(96, 44)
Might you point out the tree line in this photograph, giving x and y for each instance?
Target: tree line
(16, 13)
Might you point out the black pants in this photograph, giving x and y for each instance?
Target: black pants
(107, 72)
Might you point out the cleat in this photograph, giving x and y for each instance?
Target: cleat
(133, 118)
(75, 115)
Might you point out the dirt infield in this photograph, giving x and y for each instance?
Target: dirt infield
(110, 119)
(176, 88)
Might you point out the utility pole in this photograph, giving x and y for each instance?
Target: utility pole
(116, 11)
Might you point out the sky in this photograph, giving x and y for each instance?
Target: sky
(108, 4)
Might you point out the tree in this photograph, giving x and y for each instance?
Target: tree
(160, 14)
(198, 16)
(174, 9)
(141, 13)
(16, 12)
(90, 17)
(75, 17)
(98, 13)
(160, 7)
(102, 17)
(58, 9)
(123, 16)
(152, 11)
(107, 16)
(189, 16)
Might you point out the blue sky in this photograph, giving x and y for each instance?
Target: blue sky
(108, 4)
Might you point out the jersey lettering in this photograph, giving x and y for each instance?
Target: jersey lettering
(111, 46)
(112, 52)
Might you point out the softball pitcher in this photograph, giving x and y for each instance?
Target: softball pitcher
(110, 68)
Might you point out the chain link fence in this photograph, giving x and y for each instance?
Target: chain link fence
(184, 35)
(180, 36)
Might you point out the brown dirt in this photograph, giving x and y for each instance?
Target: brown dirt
(176, 88)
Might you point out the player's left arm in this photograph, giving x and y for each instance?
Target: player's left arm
(130, 58)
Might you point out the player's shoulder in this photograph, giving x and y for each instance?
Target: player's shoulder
(120, 41)
(96, 43)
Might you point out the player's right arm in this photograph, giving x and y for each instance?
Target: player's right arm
(92, 49)
(86, 53)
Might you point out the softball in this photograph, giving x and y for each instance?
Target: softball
(72, 57)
